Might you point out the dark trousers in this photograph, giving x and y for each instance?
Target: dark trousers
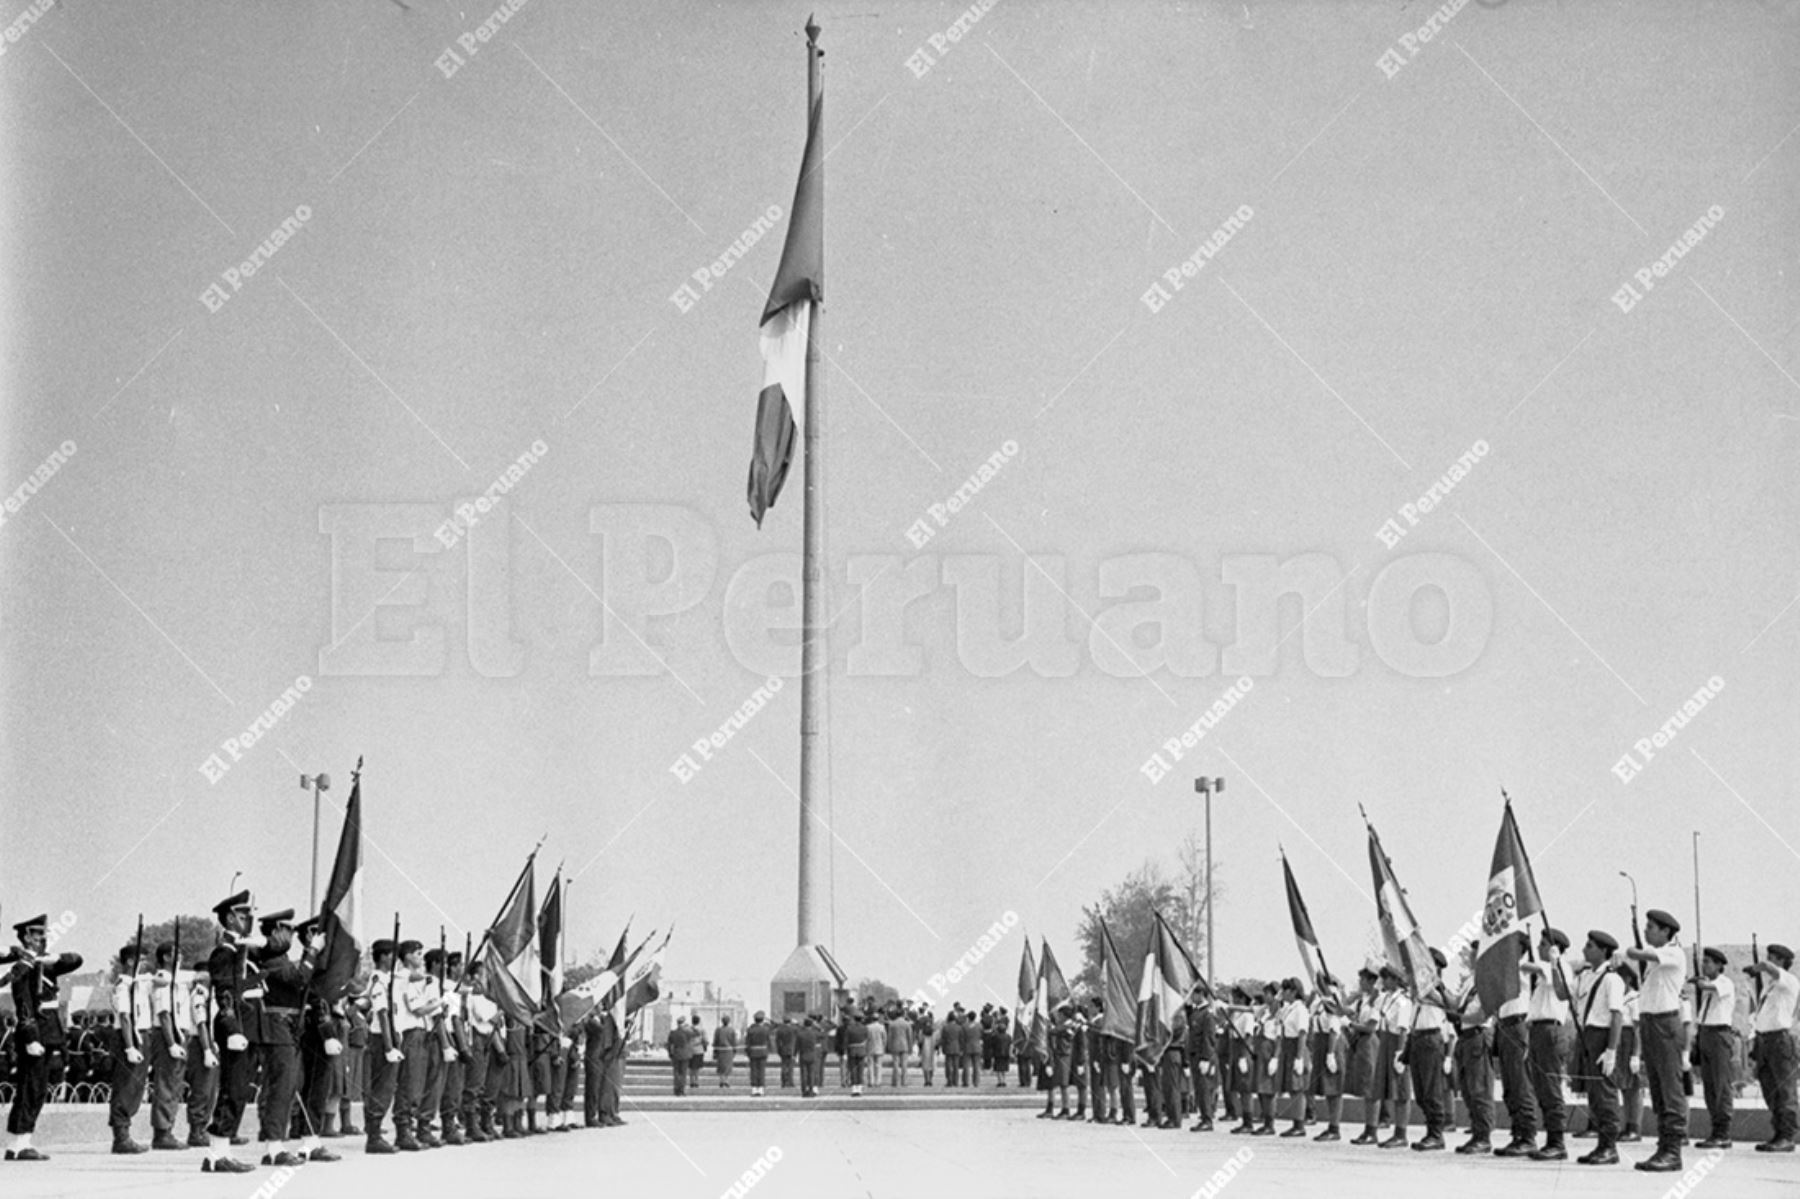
(1549, 1067)
(1153, 1109)
(431, 1097)
(477, 1111)
(1602, 1089)
(759, 1067)
(1168, 1076)
(409, 1096)
(612, 1082)
(128, 1083)
(451, 1101)
(31, 1077)
(593, 1070)
(237, 1071)
(1716, 1046)
(1776, 1064)
(572, 1075)
(384, 1085)
(202, 1088)
(1475, 1076)
(1515, 1078)
(1205, 1100)
(168, 1083)
(1425, 1056)
(354, 1064)
(787, 1072)
(1660, 1036)
(280, 1080)
(679, 1068)
(1118, 1079)
(856, 1070)
(317, 1073)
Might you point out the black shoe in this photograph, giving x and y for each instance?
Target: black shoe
(1174, 1124)
(1663, 1161)
(198, 1140)
(1265, 1129)
(125, 1145)
(1600, 1155)
(1202, 1126)
(1330, 1134)
(1553, 1151)
(26, 1155)
(407, 1144)
(230, 1165)
(1630, 1137)
(1778, 1145)
(1298, 1130)
(1046, 1114)
(1714, 1143)
(1429, 1142)
(1397, 1141)
(379, 1145)
(322, 1154)
(1366, 1137)
(1475, 1147)
(1518, 1147)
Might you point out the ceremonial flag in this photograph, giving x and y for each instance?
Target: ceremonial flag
(787, 323)
(1513, 907)
(1027, 1000)
(341, 915)
(1404, 944)
(578, 1002)
(550, 969)
(1118, 1018)
(1169, 978)
(510, 950)
(1308, 941)
(642, 981)
(1049, 993)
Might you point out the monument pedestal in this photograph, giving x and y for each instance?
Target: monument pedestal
(807, 984)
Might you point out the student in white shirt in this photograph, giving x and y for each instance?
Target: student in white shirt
(1776, 1060)
(1600, 1023)
(1547, 1018)
(1715, 1045)
(131, 1069)
(1659, 1035)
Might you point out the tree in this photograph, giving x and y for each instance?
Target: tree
(874, 988)
(1129, 908)
(1189, 914)
(198, 936)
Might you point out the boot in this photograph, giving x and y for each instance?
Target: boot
(1602, 1154)
(166, 1140)
(197, 1138)
(1519, 1146)
(1475, 1146)
(379, 1144)
(122, 1142)
(1330, 1134)
(1663, 1161)
(1553, 1150)
(1430, 1141)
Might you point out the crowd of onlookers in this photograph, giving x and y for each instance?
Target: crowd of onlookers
(875, 1044)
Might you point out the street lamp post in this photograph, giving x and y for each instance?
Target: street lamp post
(1206, 787)
(318, 784)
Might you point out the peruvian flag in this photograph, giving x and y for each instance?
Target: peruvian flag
(1304, 936)
(787, 324)
(1118, 1018)
(1050, 992)
(1169, 978)
(342, 910)
(1400, 936)
(510, 951)
(1027, 1000)
(1513, 907)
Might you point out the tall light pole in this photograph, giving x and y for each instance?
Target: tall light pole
(318, 784)
(1206, 787)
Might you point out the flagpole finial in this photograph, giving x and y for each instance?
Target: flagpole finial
(1365, 814)
(812, 30)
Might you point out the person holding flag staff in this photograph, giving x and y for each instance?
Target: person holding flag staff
(1425, 1057)
(1547, 1013)
(1659, 1034)
(1600, 1015)
(1474, 1072)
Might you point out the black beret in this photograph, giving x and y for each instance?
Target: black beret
(1604, 940)
(1778, 950)
(1663, 918)
(380, 947)
(409, 947)
(1557, 937)
(1388, 971)
(1714, 953)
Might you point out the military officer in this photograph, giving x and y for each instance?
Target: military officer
(235, 973)
(1715, 1045)
(1659, 1035)
(756, 1052)
(1600, 1012)
(38, 1038)
(273, 1028)
(1776, 1062)
(321, 1046)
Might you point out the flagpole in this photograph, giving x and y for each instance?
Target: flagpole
(507, 902)
(814, 655)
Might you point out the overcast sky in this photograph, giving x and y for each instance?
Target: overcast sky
(488, 260)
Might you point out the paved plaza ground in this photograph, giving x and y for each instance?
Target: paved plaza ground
(882, 1154)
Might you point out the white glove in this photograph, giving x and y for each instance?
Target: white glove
(237, 1042)
(1608, 1058)
(1206, 1067)
(1637, 1064)
(35, 1049)
(1449, 1067)
(1243, 1065)
(211, 1060)
(1331, 1063)
(1400, 1062)
(394, 1055)
(563, 1041)
(253, 940)
(178, 1052)
(134, 1055)
(333, 1047)
(449, 1054)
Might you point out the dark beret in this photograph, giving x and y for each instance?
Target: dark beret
(1777, 950)
(1557, 937)
(1604, 940)
(1663, 918)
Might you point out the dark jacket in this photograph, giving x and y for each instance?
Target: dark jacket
(756, 1040)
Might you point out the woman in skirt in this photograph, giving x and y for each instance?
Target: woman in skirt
(1241, 1057)
(1330, 1056)
(1396, 1081)
(1290, 1074)
(1361, 1077)
(1268, 1060)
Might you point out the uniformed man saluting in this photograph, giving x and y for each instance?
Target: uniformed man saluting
(38, 1039)
(1659, 1033)
(1775, 1053)
(273, 1026)
(236, 978)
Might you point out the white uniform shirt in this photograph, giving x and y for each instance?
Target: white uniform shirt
(482, 1011)
(131, 1003)
(162, 989)
(1776, 1013)
(1718, 1005)
(1661, 992)
(1293, 1019)
(1397, 1013)
(1545, 1003)
(1601, 993)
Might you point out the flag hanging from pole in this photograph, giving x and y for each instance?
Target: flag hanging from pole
(642, 983)
(1025, 1001)
(1310, 955)
(1048, 993)
(341, 915)
(1169, 978)
(510, 951)
(1400, 935)
(1118, 1017)
(1514, 912)
(550, 969)
(786, 325)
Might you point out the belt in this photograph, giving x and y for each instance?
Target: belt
(1509, 1021)
(48, 1005)
(251, 993)
(281, 1011)
(1546, 1021)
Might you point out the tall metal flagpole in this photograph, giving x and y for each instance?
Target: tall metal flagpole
(815, 657)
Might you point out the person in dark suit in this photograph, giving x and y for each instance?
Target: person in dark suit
(679, 1045)
(809, 1048)
(275, 1032)
(1002, 1046)
(756, 1051)
(1202, 1058)
(235, 972)
(39, 1038)
(786, 1046)
(856, 1044)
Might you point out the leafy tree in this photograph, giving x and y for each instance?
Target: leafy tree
(1129, 912)
(198, 936)
(874, 988)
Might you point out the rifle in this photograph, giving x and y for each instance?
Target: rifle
(393, 969)
(443, 1015)
(137, 964)
(1756, 978)
(1637, 935)
(174, 971)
